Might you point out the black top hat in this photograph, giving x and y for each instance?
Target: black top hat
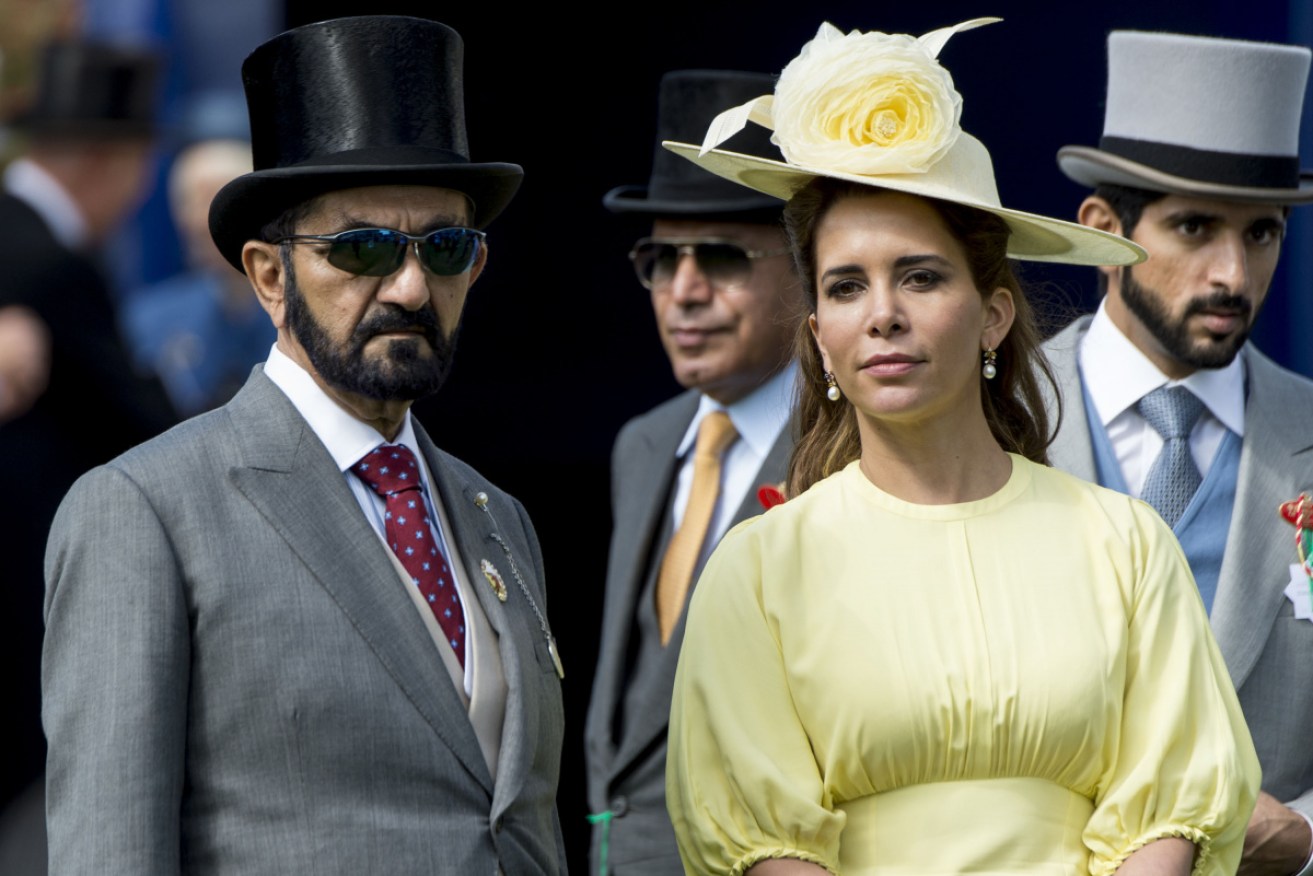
(363, 101)
(92, 90)
(688, 101)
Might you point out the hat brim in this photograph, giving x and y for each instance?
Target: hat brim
(634, 199)
(244, 206)
(89, 129)
(1094, 167)
(1033, 238)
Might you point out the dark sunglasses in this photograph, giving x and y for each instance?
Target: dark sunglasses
(377, 252)
(721, 261)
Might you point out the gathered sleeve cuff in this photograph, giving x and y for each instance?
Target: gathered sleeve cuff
(1184, 764)
(742, 783)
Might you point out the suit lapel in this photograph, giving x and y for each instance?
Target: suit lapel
(513, 621)
(773, 471)
(1071, 450)
(1276, 464)
(640, 509)
(655, 720)
(293, 482)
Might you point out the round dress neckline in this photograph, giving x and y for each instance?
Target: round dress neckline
(1018, 481)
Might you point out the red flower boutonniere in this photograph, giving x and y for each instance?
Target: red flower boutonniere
(1299, 513)
(770, 495)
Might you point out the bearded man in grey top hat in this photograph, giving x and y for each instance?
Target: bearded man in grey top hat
(727, 305)
(292, 635)
(1163, 398)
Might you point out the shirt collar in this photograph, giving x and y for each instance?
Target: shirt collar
(1117, 375)
(346, 438)
(34, 186)
(758, 417)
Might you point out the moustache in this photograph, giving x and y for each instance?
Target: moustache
(396, 319)
(1220, 301)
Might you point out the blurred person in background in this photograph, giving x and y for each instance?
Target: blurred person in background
(200, 331)
(24, 360)
(84, 165)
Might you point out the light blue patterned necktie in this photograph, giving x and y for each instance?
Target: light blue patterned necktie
(1173, 478)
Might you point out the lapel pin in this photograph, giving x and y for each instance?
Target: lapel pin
(494, 578)
(499, 587)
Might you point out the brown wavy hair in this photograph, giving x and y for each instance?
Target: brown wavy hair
(1013, 401)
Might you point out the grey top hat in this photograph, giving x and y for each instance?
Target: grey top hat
(1199, 116)
(687, 102)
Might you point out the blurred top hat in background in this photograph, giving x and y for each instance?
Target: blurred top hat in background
(92, 90)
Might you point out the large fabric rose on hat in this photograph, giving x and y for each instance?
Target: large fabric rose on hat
(860, 103)
(865, 103)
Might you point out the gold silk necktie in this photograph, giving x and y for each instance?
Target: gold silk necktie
(715, 433)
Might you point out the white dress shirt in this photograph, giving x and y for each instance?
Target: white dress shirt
(1117, 375)
(27, 181)
(347, 440)
(758, 417)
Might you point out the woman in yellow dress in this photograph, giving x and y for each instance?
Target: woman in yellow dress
(940, 656)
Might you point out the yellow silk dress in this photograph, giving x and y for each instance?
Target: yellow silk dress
(1024, 684)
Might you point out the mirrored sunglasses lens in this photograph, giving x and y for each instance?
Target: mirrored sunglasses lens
(450, 251)
(371, 252)
(723, 262)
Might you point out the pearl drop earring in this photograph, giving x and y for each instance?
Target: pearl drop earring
(831, 387)
(990, 369)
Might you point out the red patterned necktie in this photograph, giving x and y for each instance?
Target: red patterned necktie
(392, 472)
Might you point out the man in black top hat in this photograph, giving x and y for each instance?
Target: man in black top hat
(1164, 398)
(292, 635)
(727, 307)
(85, 163)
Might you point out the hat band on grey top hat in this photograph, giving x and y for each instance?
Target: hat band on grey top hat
(1228, 168)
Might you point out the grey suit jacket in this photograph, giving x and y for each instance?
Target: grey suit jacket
(627, 776)
(1268, 652)
(235, 680)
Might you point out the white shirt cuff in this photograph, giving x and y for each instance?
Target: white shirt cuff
(1307, 869)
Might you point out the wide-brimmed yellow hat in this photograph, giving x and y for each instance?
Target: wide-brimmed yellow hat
(878, 109)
